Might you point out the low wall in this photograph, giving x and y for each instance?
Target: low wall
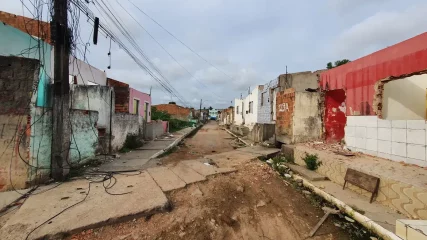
(397, 140)
(165, 125)
(261, 132)
(407, 196)
(154, 129)
(84, 135)
(124, 124)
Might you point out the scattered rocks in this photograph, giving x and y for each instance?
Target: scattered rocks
(269, 161)
(299, 182)
(287, 175)
(322, 187)
(349, 219)
(306, 192)
(197, 193)
(181, 234)
(261, 203)
(240, 189)
(279, 214)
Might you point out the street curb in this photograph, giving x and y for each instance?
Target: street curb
(234, 135)
(360, 218)
(174, 143)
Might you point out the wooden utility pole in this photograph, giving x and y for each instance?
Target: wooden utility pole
(61, 92)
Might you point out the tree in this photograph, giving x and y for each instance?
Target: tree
(329, 65)
(210, 108)
(159, 115)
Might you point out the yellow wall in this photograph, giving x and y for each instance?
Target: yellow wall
(405, 99)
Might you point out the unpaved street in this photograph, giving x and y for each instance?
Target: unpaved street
(252, 203)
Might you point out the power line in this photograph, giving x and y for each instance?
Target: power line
(189, 48)
(158, 43)
(114, 37)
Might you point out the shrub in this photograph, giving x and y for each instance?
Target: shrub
(311, 160)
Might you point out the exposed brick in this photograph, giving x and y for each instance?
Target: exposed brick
(176, 111)
(33, 27)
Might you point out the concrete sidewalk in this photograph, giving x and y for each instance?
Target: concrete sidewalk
(89, 203)
(141, 158)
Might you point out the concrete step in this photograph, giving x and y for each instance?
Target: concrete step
(411, 229)
(187, 174)
(306, 173)
(206, 170)
(166, 179)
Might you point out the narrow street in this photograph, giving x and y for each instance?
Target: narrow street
(251, 203)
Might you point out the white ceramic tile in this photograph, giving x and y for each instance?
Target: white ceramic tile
(351, 121)
(360, 132)
(416, 136)
(349, 141)
(398, 149)
(384, 134)
(398, 123)
(384, 146)
(350, 131)
(371, 144)
(371, 121)
(372, 133)
(416, 124)
(416, 151)
(397, 158)
(360, 143)
(361, 121)
(384, 155)
(398, 135)
(417, 162)
(372, 153)
(384, 123)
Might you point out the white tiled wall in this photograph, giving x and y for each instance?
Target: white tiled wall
(398, 140)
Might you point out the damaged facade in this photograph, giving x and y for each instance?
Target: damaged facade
(376, 104)
(26, 79)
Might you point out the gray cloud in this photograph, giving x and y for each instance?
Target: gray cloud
(250, 40)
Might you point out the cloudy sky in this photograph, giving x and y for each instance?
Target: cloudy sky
(249, 41)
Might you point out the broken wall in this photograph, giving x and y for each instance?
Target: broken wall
(18, 83)
(285, 102)
(405, 98)
(307, 123)
(154, 129)
(124, 124)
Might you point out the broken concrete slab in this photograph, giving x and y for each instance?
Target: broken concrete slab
(143, 197)
(260, 150)
(9, 197)
(206, 170)
(166, 179)
(307, 174)
(187, 174)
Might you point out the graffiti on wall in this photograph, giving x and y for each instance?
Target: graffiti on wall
(283, 107)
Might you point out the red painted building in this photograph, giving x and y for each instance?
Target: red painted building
(350, 87)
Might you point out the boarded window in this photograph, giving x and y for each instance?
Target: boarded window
(136, 106)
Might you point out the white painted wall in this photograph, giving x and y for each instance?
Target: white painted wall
(405, 98)
(238, 117)
(267, 97)
(251, 118)
(397, 140)
(86, 74)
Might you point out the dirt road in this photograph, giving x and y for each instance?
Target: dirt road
(252, 203)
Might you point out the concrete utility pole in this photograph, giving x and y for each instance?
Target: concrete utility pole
(61, 91)
(200, 113)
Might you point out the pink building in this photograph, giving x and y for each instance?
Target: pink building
(140, 103)
(129, 100)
